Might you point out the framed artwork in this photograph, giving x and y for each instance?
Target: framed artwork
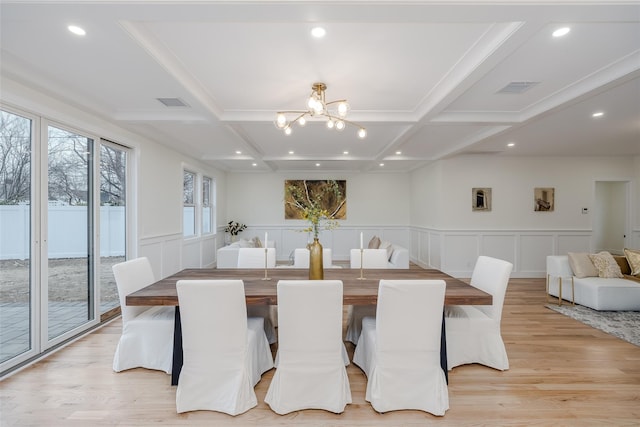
(329, 195)
(544, 199)
(481, 199)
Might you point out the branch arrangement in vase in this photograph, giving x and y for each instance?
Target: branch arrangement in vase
(234, 228)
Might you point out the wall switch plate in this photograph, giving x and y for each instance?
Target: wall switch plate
(585, 211)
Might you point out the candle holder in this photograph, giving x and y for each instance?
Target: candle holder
(266, 277)
(361, 256)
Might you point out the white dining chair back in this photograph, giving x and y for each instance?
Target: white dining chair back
(225, 353)
(473, 332)
(147, 332)
(301, 258)
(254, 258)
(310, 372)
(371, 258)
(399, 349)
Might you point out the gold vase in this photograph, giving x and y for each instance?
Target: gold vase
(316, 271)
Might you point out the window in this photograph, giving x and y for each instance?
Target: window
(189, 202)
(207, 212)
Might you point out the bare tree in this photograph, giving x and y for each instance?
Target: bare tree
(112, 176)
(15, 158)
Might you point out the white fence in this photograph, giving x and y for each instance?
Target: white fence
(67, 231)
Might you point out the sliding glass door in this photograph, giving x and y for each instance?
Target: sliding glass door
(62, 227)
(70, 301)
(16, 296)
(113, 224)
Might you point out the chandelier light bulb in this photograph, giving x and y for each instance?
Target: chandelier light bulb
(362, 133)
(343, 107)
(302, 121)
(281, 121)
(287, 130)
(311, 103)
(340, 125)
(330, 123)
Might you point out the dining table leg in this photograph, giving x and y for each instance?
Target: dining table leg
(176, 367)
(443, 351)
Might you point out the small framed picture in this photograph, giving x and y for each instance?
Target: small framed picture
(481, 199)
(543, 199)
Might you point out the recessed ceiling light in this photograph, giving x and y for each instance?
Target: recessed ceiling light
(254, 164)
(511, 144)
(398, 152)
(318, 32)
(561, 32)
(381, 164)
(76, 30)
(597, 114)
(238, 152)
(317, 164)
(291, 152)
(345, 152)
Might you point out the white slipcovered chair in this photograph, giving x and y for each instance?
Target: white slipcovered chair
(147, 332)
(254, 258)
(399, 349)
(225, 353)
(374, 259)
(301, 258)
(473, 332)
(310, 371)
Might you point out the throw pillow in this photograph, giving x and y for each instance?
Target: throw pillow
(374, 243)
(244, 243)
(633, 258)
(257, 243)
(388, 246)
(607, 266)
(582, 265)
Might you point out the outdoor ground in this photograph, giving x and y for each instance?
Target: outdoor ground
(67, 280)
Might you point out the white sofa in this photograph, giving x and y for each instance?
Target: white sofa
(373, 258)
(227, 256)
(595, 292)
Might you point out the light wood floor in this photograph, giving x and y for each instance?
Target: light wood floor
(563, 373)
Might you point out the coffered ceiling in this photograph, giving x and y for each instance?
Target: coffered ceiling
(427, 79)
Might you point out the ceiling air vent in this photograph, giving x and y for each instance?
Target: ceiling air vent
(172, 102)
(517, 87)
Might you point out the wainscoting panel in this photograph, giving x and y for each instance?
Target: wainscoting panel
(455, 252)
(164, 253)
(435, 251)
(533, 251)
(191, 250)
(572, 242)
(501, 246)
(460, 252)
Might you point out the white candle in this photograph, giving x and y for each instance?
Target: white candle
(361, 241)
(265, 239)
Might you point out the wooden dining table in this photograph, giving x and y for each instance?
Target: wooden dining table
(360, 287)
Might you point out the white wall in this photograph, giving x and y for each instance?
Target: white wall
(456, 235)
(372, 198)
(377, 204)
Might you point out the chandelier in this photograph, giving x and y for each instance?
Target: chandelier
(333, 112)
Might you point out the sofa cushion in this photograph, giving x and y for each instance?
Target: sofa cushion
(633, 258)
(582, 265)
(374, 243)
(607, 266)
(388, 247)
